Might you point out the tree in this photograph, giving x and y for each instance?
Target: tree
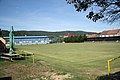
(74, 39)
(107, 10)
(0, 32)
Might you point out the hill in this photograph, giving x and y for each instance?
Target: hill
(44, 33)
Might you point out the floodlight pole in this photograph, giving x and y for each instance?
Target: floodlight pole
(11, 38)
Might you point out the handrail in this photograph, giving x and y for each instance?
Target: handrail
(110, 60)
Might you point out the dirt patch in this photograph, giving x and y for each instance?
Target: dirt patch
(60, 77)
(57, 76)
(27, 71)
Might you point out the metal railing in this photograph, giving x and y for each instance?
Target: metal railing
(109, 61)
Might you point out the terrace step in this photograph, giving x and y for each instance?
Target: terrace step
(7, 56)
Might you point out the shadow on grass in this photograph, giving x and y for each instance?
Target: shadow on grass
(113, 76)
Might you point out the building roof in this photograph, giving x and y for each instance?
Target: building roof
(92, 35)
(110, 32)
(27, 37)
(69, 35)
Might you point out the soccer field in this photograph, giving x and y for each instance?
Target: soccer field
(85, 59)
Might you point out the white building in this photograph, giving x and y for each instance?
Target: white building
(27, 40)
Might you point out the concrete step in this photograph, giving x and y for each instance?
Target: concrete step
(7, 56)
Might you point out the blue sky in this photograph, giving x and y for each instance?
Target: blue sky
(46, 15)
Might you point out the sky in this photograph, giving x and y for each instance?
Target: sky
(46, 15)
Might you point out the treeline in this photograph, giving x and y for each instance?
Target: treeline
(75, 39)
(44, 33)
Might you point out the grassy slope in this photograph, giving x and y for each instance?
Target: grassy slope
(86, 59)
